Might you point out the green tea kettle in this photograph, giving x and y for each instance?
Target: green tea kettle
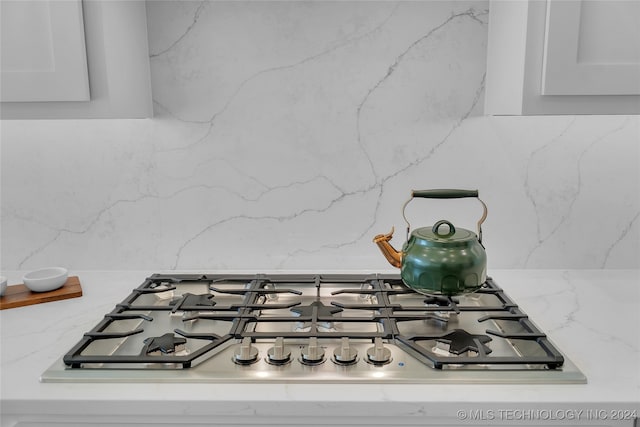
(441, 259)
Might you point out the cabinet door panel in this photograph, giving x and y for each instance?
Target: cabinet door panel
(592, 48)
(563, 57)
(43, 51)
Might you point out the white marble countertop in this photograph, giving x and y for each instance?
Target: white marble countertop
(593, 317)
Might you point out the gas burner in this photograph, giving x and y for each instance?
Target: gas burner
(165, 344)
(313, 312)
(441, 317)
(191, 301)
(444, 302)
(321, 310)
(305, 327)
(461, 341)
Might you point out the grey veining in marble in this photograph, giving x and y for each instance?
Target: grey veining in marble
(288, 134)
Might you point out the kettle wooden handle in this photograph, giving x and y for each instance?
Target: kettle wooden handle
(446, 194)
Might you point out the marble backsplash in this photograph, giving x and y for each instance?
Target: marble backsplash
(288, 134)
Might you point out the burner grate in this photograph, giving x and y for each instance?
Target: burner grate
(208, 313)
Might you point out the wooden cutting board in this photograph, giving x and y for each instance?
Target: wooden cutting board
(20, 296)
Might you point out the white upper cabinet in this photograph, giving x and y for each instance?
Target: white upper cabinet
(71, 59)
(43, 56)
(563, 57)
(592, 48)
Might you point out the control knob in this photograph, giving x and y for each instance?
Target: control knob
(345, 354)
(378, 354)
(245, 353)
(278, 354)
(312, 354)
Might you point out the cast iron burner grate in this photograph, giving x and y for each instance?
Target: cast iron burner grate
(374, 308)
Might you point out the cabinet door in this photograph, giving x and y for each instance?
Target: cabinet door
(43, 53)
(117, 54)
(563, 57)
(592, 48)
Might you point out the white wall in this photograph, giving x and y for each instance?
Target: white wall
(288, 134)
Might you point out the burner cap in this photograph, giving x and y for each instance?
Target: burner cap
(461, 341)
(323, 310)
(190, 300)
(440, 300)
(443, 301)
(165, 344)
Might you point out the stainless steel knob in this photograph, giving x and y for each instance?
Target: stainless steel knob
(245, 352)
(378, 354)
(279, 354)
(345, 354)
(312, 354)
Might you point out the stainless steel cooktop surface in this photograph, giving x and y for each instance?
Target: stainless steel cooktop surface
(347, 328)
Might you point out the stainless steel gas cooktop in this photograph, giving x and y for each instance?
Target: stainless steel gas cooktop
(310, 328)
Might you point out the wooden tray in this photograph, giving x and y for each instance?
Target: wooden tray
(20, 296)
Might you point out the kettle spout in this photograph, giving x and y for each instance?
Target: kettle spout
(393, 256)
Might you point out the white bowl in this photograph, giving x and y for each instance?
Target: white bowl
(3, 285)
(46, 279)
